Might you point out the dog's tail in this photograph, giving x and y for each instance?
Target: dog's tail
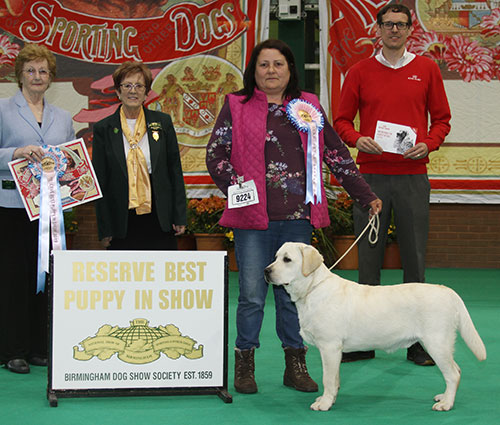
(469, 332)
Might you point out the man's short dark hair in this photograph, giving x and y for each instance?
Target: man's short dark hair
(396, 8)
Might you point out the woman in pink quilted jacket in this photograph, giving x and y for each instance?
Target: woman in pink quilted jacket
(265, 154)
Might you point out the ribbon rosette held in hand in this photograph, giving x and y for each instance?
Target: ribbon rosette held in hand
(308, 119)
(49, 171)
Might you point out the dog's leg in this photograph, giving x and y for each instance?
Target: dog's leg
(451, 374)
(330, 358)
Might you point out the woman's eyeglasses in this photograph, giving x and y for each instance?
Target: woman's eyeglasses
(389, 25)
(43, 73)
(129, 86)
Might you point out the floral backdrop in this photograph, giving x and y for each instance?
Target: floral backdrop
(463, 37)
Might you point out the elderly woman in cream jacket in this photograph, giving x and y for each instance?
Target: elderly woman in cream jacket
(27, 122)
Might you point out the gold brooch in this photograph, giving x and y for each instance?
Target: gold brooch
(155, 126)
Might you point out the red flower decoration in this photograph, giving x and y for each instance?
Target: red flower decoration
(496, 62)
(469, 58)
(415, 22)
(490, 25)
(429, 44)
(8, 50)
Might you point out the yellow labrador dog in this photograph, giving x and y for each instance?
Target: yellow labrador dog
(338, 315)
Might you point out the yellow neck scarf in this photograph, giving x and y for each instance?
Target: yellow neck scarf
(139, 185)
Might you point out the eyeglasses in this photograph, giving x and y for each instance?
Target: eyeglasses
(389, 25)
(43, 73)
(129, 86)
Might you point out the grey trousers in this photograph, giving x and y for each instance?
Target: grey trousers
(407, 196)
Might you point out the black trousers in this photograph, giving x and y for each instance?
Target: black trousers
(408, 197)
(23, 313)
(145, 233)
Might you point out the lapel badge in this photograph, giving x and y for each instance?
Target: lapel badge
(115, 130)
(155, 128)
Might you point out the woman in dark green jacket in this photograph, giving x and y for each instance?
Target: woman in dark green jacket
(136, 158)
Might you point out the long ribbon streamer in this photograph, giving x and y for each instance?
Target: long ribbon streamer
(306, 118)
(313, 186)
(43, 236)
(51, 225)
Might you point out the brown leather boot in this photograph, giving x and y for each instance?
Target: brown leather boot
(244, 368)
(296, 374)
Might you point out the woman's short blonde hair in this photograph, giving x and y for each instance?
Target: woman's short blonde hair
(33, 52)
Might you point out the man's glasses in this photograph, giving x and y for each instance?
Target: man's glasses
(129, 86)
(389, 25)
(43, 73)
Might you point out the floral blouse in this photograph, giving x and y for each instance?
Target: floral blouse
(285, 164)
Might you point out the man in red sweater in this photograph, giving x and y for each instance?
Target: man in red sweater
(394, 88)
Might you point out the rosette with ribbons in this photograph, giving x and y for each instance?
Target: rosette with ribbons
(51, 225)
(308, 119)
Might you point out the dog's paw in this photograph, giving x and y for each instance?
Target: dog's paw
(322, 403)
(442, 404)
(438, 397)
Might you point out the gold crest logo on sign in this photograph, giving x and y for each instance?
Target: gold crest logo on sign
(138, 344)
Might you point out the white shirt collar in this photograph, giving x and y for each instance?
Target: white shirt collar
(403, 60)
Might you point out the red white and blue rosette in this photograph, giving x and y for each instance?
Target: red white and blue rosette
(51, 225)
(308, 119)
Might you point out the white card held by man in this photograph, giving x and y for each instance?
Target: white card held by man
(395, 138)
(242, 194)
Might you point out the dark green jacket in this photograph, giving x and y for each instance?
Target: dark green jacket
(108, 158)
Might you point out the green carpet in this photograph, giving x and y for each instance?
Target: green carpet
(385, 390)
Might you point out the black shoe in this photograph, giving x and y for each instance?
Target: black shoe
(18, 366)
(357, 355)
(419, 356)
(38, 361)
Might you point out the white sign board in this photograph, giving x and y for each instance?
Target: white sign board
(137, 320)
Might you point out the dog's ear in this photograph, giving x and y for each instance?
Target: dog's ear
(311, 259)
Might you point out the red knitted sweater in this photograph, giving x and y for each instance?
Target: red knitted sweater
(406, 96)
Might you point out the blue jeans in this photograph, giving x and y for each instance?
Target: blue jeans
(255, 250)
